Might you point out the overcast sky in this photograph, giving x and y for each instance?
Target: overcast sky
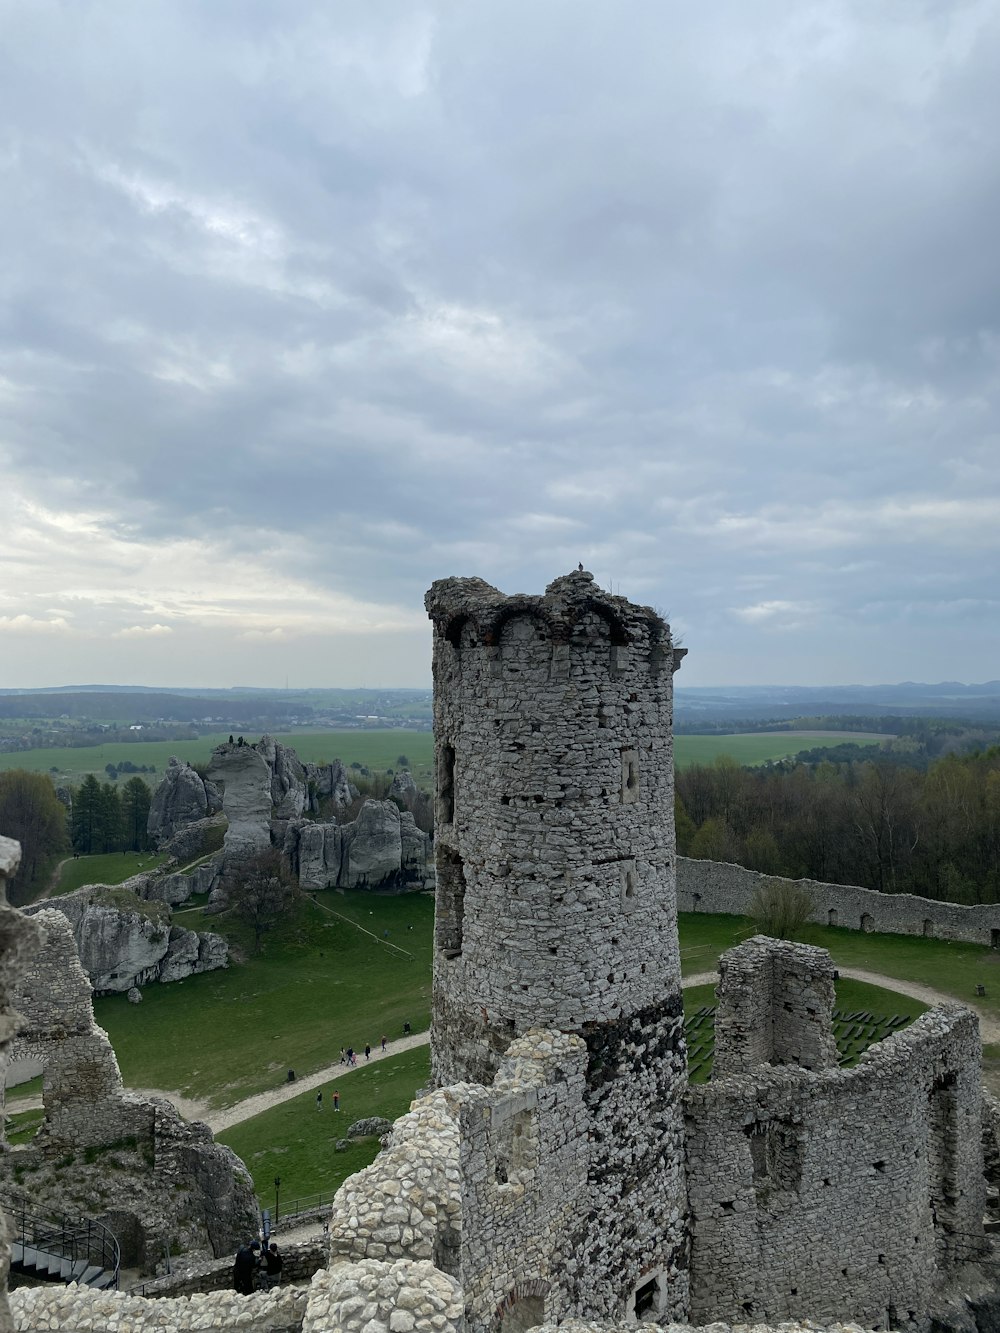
(303, 306)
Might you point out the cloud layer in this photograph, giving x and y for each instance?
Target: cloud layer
(306, 307)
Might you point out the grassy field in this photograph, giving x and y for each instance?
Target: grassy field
(381, 749)
(321, 983)
(374, 749)
(756, 747)
(111, 868)
(296, 1141)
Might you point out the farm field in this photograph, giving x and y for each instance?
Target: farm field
(381, 749)
(374, 749)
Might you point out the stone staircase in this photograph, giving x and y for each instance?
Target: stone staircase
(75, 1251)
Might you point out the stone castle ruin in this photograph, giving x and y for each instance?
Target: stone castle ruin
(130, 1161)
(561, 1170)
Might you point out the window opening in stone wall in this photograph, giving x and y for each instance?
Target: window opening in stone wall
(628, 884)
(867, 923)
(695, 900)
(942, 1152)
(831, 917)
(928, 928)
(449, 910)
(995, 939)
(775, 1156)
(446, 783)
(630, 776)
(516, 1149)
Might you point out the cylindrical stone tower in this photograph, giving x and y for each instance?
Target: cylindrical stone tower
(556, 897)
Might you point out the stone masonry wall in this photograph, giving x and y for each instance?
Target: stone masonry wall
(555, 891)
(831, 1194)
(775, 1007)
(523, 1172)
(101, 1151)
(716, 886)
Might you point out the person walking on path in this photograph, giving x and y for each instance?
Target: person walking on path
(384, 1043)
(368, 1050)
(336, 1100)
(351, 1061)
(343, 1056)
(319, 1100)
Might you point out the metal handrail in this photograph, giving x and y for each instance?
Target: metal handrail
(73, 1239)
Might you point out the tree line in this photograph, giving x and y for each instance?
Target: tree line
(104, 818)
(888, 827)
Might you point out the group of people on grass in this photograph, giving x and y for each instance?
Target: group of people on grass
(256, 1268)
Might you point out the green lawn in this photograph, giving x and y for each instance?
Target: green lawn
(296, 1141)
(948, 966)
(109, 869)
(319, 984)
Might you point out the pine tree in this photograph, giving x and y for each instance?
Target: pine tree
(136, 799)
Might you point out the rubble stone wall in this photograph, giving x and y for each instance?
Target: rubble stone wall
(102, 1151)
(717, 886)
(834, 1194)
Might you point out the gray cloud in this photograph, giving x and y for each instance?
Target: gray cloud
(318, 305)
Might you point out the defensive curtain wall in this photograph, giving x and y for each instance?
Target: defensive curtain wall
(716, 886)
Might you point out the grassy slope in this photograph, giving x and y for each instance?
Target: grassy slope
(318, 985)
(296, 1141)
(109, 869)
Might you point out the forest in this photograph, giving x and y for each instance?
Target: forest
(894, 828)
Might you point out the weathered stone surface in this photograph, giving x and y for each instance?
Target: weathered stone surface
(403, 788)
(382, 848)
(245, 780)
(329, 782)
(369, 1127)
(377, 1297)
(289, 794)
(134, 995)
(181, 798)
(123, 941)
(170, 1182)
(555, 897)
(191, 840)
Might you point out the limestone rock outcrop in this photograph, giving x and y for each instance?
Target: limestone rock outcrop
(245, 779)
(123, 941)
(382, 848)
(329, 782)
(289, 791)
(182, 797)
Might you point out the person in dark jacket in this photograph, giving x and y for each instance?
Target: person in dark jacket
(244, 1267)
(272, 1267)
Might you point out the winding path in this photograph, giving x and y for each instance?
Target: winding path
(220, 1120)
